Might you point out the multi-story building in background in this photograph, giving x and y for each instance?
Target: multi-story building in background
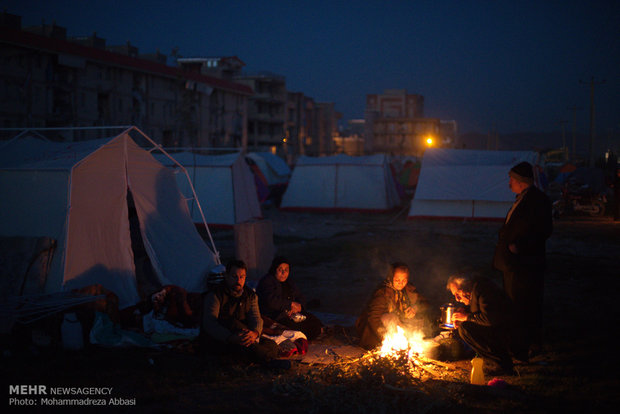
(327, 122)
(351, 139)
(49, 80)
(279, 121)
(299, 123)
(395, 124)
(266, 110)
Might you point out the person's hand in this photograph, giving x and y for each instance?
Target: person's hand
(409, 313)
(295, 308)
(245, 337)
(513, 248)
(459, 316)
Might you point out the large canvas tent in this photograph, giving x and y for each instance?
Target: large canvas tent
(271, 175)
(472, 184)
(273, 168)
(341, 182)
(224, 186)
(77, 194)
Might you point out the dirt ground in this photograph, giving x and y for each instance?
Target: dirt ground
(338, 259)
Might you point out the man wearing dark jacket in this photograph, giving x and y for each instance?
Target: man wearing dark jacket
(487, 325)
(520, 252)
(231, 318)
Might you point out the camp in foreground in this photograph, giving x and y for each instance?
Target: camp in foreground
(77, 194)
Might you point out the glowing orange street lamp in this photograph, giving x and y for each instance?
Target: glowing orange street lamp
(429, 141)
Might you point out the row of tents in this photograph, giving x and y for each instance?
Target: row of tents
(84, 195)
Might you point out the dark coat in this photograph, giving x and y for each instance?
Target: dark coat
(529, 226)
(225, 314)
(385, 300)
(489, 304)
(490, 328)
(275, 297)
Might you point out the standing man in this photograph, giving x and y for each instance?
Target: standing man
(520, 252)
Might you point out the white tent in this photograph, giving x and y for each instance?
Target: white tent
(341, 182)
(224, 186)
(457, 183)
(77, 194)
(274, 169)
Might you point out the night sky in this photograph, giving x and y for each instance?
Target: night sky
(507, 66)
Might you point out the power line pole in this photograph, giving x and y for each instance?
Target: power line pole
(564, 147)
(592, 83)
(574, 109)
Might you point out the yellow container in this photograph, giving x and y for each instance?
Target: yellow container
(477, 373)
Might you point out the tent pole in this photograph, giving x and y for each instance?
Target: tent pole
(191, 185)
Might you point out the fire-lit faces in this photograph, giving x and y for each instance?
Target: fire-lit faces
(400, 279)
(282, 272)
(516, 186)
(460, 295)
(158, 299)
(235, 279)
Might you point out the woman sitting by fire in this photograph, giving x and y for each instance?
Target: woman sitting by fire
(280, 299)
(394, 303)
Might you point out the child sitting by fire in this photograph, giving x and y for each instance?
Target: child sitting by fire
(394, 302)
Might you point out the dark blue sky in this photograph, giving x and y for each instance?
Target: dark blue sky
(512, 66)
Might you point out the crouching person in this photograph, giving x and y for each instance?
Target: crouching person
(231, 319)
(487, 325)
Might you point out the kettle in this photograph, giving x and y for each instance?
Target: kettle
(447, 311)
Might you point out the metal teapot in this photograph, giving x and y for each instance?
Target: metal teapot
(447, 311)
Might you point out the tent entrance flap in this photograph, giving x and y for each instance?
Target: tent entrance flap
(77, 194)
(146, 278)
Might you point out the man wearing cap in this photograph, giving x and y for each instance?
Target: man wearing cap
(520, 252)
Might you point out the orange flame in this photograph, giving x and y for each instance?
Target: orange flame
(398, 339)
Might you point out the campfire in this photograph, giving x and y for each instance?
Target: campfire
(397, 340)
(402, 366)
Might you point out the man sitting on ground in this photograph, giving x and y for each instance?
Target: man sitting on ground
(231, 319)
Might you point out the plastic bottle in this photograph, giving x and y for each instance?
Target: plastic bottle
(477, 373)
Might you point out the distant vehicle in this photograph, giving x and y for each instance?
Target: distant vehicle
(583, 191)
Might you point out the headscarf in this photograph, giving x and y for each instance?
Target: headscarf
(277, 261)
(401, 300)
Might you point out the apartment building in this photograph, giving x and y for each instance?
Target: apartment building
(266, 110)
(312, 127)
(299, 123)
(327, 129)
(395, 124)
(50, 80)
(351, 139)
